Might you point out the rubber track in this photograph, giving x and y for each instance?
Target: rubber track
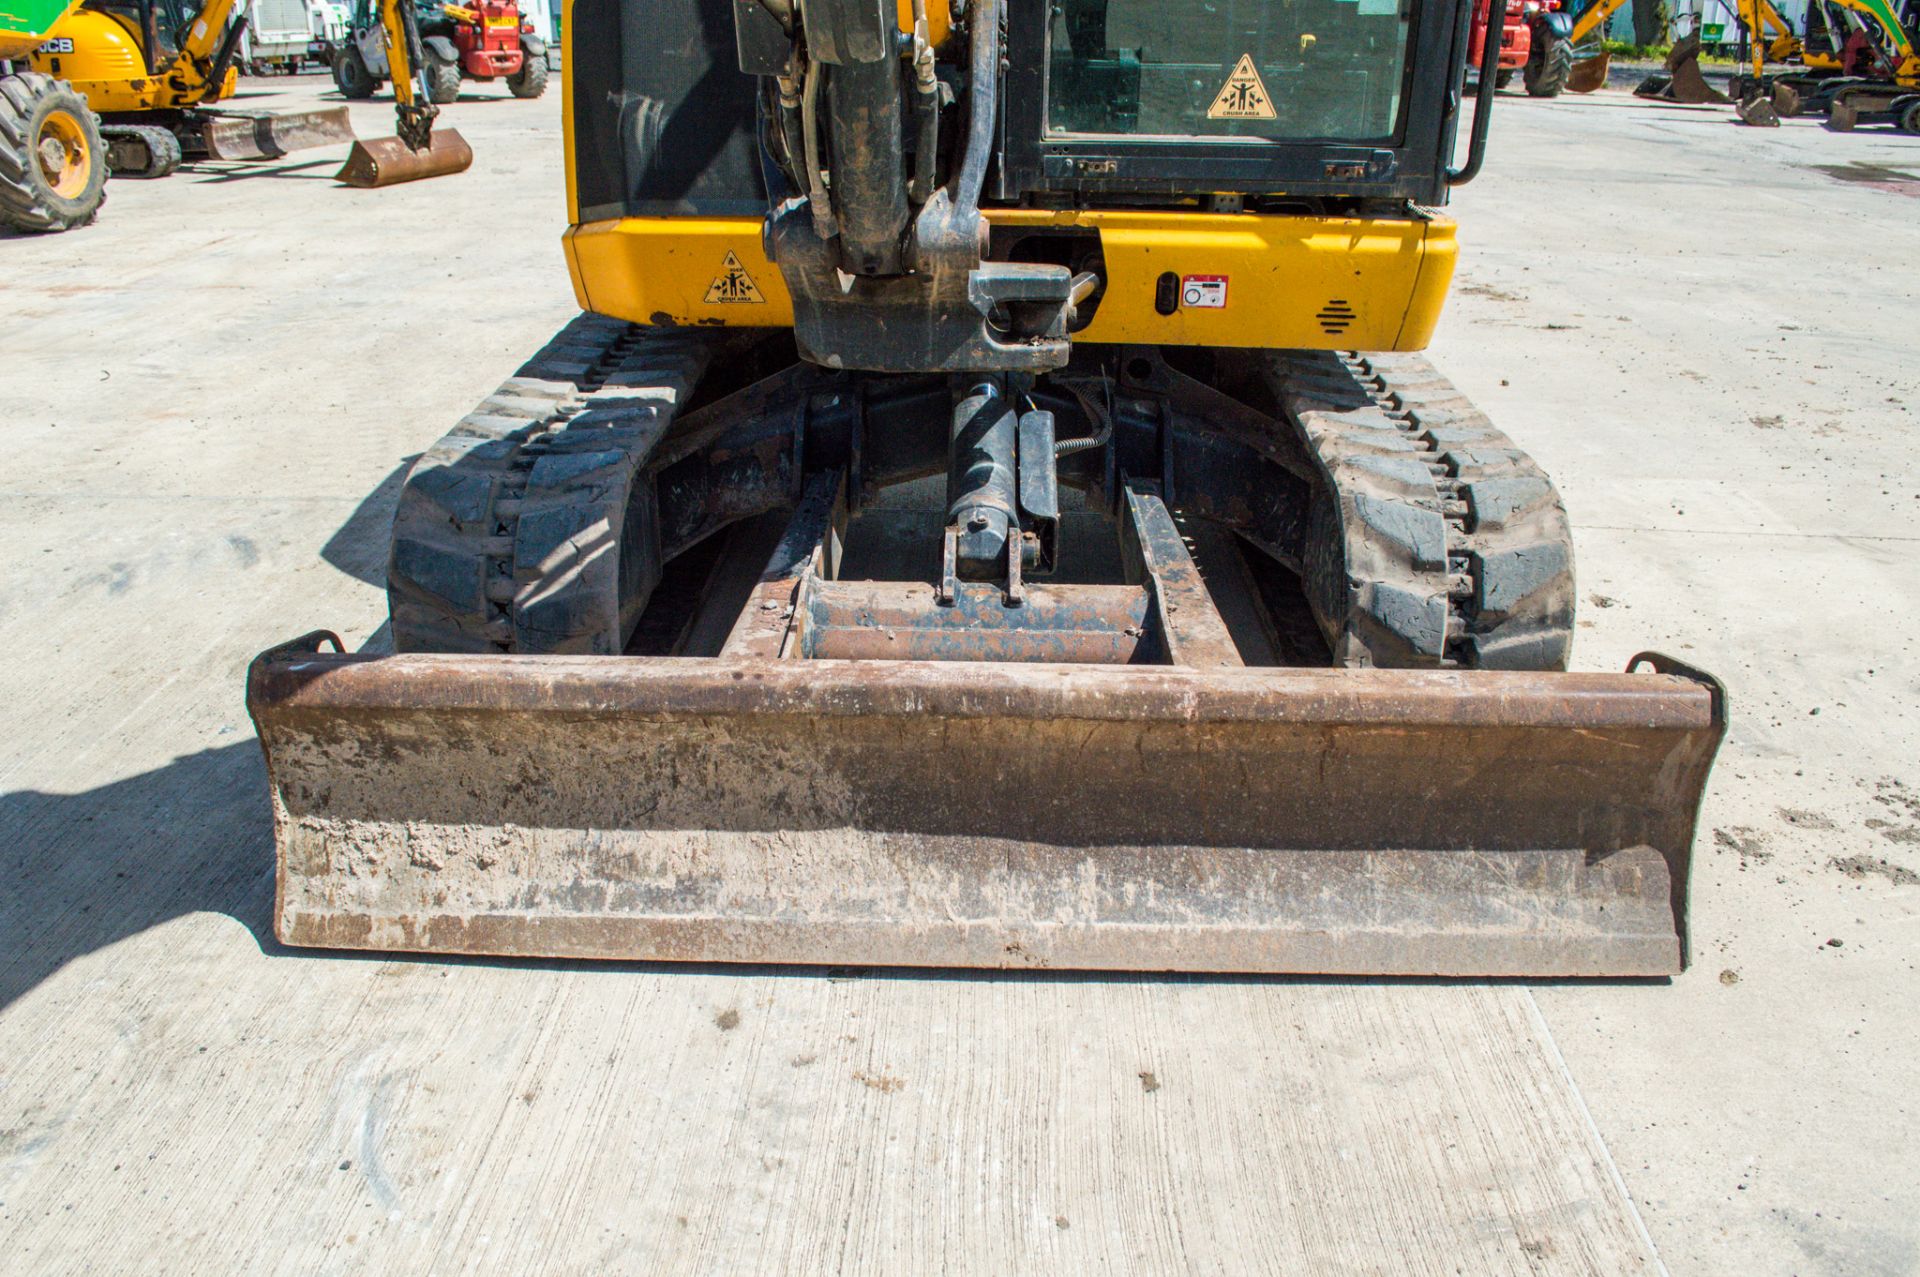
(161, 145)
(529, 527)
(1434, 541)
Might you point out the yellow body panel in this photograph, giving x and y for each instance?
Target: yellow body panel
(939, 20)
(108, 68)
(566, 127)
(1290, 282)
(106, 59)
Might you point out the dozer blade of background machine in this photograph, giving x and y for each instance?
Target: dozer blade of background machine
(1589, 75)
(237, 135)
(958, 814)
(388, 161)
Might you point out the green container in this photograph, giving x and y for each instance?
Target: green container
(25, 24)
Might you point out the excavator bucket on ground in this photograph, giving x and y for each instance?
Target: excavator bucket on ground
(1589, 75)
(263, 135)
(389, 161)
(1681, 80)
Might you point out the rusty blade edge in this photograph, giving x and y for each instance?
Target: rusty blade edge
(281, 681)
(1081, 946)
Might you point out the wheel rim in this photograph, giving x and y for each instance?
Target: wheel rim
(66, 158)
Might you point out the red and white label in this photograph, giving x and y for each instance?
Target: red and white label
(1204, 292)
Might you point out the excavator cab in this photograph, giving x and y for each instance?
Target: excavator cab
(1312, 70)
(159, 24)
(993, 513)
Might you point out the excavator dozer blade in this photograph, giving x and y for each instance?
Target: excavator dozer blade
(244, 136)
(387, 161)
(1589, 75)
(956, 814)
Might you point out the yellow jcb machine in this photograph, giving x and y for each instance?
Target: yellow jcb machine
(963, 531)
(1826, 80)
(1859, 61)
(132, 87)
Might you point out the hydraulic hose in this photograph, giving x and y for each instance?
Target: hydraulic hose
(983, 97)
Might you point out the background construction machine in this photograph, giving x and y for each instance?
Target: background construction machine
(106, 86)
(53, 161)
(1856, 59)
(154, 71)
(485, 40)
(1533, 42)
(963, 533)
(1679, 80)
(1858, 63)
(417, 149)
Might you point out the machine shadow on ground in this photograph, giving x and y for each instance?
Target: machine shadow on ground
(84, 871)
(88, 870)
(359, 547)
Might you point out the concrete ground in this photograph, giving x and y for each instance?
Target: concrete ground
(1708, 335)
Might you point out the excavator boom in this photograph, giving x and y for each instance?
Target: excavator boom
(418, 150)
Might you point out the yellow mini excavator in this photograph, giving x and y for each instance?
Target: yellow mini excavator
(135, 86)
(965, 530)
(156, 72)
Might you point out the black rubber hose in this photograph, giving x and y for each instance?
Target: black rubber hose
(983, 98)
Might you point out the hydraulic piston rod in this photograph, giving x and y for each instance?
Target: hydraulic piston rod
(980, 479)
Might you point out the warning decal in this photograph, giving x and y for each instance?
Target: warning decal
(1244, 96)
(732, 284)
(1207, 292)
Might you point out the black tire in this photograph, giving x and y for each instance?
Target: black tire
(530, 81)
(1548, 66)
(1908, 115)
(1503, 77)
(141, 150)
(443, 80)
(350, 74)
(53, 162)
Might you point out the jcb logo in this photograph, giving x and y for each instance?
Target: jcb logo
(61, 45)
